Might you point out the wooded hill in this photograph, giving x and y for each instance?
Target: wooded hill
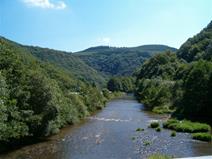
(115, 61)
(182, 82)
(38, 98)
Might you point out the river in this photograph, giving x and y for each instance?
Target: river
(111, 134)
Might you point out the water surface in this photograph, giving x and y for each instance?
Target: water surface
(110, 134)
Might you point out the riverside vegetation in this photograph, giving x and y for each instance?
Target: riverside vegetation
(43, 90)
(38, 98)
(181, 84)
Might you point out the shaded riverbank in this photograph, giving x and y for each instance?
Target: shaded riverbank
(108, 135)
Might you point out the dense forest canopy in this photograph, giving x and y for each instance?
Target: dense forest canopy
(71, 63)
(42, 90)
(38, 98)
(198, 47)
(119, 61)
(180, 83)
(123, 84)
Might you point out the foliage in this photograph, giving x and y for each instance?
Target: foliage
(173, 134)
(146, 143)
(198, 47)
(155, 93)
(186, 126)
(114, 61)
(37, 98)
(158, 156)
(69, 62)
(202, 136)
(196, 99)
(123, 84)
(158, 129)
(154, 124)
(167, 83)
(156, 85)
(139, 129)
(161, 65)
(162, 110)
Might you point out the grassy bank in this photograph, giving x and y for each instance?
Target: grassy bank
(159, 156)
(186, 126)
(202, 136)
(200, 131)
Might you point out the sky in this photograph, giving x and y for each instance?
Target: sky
(74, 25)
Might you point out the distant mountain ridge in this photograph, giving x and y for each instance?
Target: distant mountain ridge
(115, 61)
(96, 64)
(65, 60)
(69, 62)
(151, 47)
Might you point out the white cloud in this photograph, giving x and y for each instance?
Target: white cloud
(45, 4)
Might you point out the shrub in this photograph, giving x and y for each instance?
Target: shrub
(186, 126)
(146, 143)
(139, 129)
(154, 124)
(173, 134)
(202, 136)
(158, 129)
(170, 123)
(162, 110)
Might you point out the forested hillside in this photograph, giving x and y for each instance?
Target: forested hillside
(198, 47)
(119, 61)
(96, 65)
(71, 63)
(38, 98)
(42, 90)
(180, 83)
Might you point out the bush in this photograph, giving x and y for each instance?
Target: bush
(154, 124)
(155, 93)
(202, 136)
(186, 126)
(169, 123)
(139, 129)
(162, 110)
(158, 129)
(147, 143)
(173, 134)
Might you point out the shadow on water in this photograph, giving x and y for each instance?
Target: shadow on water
(108, 135)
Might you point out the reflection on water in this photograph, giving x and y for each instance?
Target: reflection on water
(108, 135)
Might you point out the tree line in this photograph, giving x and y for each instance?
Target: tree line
(180, 83)
(38, 98)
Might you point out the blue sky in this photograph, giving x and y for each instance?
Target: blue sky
(74, 25)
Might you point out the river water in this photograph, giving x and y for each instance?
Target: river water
(111, 134)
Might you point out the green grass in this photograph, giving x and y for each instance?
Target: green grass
(147, 143)
(173, 134)
(159, 156)
(186, 126)
(162, 110)
(154, 125)
(202, 136)
(139, 129)
(158, 129)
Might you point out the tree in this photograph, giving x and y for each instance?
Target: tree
(196, 100)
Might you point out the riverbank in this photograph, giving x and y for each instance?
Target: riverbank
(109, 133)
